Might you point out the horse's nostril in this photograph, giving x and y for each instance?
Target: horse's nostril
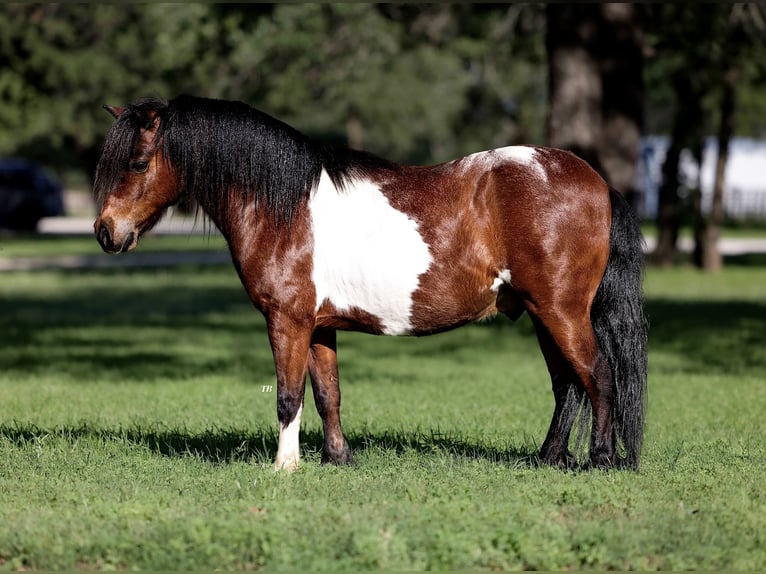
(128, 241)
(104, 237)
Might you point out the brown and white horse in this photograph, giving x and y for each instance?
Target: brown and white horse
(327, 238)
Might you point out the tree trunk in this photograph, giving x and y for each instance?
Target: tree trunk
(711, 255)
(574, 80)
(687, 133)
(669, 209)
(698, 209)
(595, 65)
(621, 57)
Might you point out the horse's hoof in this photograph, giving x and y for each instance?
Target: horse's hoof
(569, 462)
(342, 457)
(602, 461)
(565, 460)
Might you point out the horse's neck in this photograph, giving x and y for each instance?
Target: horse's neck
(225, 215)
(244, 227)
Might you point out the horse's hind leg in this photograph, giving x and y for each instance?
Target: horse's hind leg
(323, 369)
(567, 387)
(582, 365)
(567, 393)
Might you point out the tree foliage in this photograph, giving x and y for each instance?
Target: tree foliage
(702, 60)
(59, 62)
(344, 67)
(595, 67)
(417, 83)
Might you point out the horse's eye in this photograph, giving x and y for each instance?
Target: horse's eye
(138, 166)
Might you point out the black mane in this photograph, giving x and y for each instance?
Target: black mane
(219, 147)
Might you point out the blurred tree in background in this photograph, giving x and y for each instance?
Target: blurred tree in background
(346, 67)
(703, 60)
(595, 74)
(59, 62)
(418, 83)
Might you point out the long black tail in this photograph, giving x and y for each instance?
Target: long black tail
(617, 315)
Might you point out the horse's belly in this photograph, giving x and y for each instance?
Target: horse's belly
(374, 307)
(451, 306)
(368, 258)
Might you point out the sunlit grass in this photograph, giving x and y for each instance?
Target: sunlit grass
(137, 431)
(53, 245)
(207, 238)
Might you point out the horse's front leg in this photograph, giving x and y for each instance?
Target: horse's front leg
(323, 368)
(290, 340)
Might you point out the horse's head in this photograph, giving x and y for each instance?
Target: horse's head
(134, 182)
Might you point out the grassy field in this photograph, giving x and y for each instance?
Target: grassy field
(136, 433)
(733, 230)
(53, 245)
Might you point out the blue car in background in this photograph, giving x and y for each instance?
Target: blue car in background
(27, 194)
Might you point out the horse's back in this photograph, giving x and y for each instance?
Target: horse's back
(489, 221)
(426, 249)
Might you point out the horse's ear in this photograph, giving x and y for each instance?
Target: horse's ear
(114, 110)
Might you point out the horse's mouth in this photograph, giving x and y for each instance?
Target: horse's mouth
(106, 230)
(130, 243)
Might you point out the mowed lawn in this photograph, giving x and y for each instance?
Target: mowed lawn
(138, 429)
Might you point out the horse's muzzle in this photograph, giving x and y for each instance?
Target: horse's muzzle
(107, 241)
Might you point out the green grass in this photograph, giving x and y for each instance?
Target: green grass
(135, 434)
(53, 245)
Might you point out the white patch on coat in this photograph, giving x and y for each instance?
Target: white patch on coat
(504, 277)
(288, 451)
(367, 254)
(522, 154)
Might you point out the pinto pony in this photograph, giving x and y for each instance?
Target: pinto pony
(326, 238)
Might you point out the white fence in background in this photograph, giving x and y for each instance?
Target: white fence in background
(745, 176)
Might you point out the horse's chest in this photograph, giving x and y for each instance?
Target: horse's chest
(367, 256)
